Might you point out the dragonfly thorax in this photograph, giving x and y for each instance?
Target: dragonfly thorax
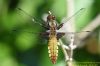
(52, 24)
(51, 21)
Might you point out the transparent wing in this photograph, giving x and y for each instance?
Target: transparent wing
(67, 24)
(38, 33)
(73, 37)
(33, 19)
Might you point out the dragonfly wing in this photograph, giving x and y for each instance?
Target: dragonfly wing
(45, 35)
(67, 24)
(60, 34)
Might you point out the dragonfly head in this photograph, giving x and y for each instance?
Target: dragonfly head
(51, 19)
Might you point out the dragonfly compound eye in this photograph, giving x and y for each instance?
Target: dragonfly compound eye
(53, 17)
(50, 17)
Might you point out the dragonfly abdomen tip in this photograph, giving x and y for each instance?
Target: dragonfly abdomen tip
(53, 59)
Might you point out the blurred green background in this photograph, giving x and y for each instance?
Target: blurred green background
(21, 48)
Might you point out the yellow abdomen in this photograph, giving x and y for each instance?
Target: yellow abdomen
(53, 49)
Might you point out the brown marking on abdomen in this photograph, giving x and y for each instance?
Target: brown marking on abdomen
(53, 49)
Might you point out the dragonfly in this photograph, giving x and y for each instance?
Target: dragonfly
(52, 33)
